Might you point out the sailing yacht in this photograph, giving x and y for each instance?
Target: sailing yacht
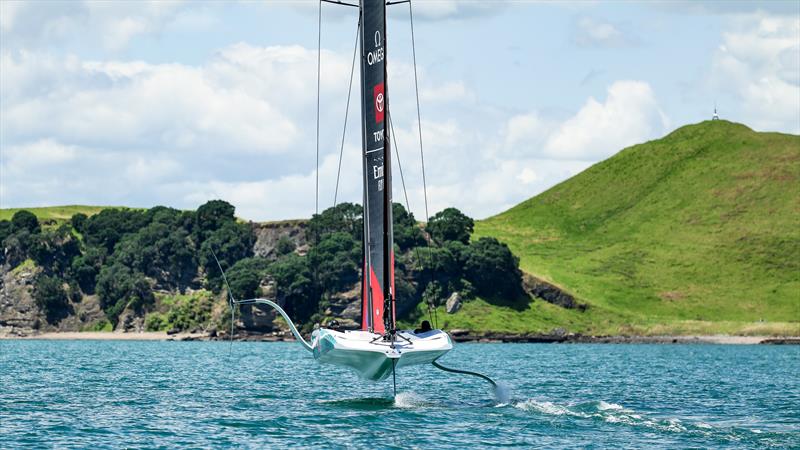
(378, 348)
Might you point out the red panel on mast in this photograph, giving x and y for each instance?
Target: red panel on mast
(378, 97)
(377, 304)
(364, 298)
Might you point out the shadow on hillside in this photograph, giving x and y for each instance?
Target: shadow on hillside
(520, 302)
(56, 315)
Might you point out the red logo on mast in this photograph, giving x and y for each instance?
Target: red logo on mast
(380, 102)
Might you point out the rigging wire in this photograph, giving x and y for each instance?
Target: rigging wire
(405, 193)
(399, 163)
(231, 300)
(421, 151)
(346, 112)
(419, 115)
(319, 62)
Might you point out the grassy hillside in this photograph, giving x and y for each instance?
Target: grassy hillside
(57, 213)
(697, 232)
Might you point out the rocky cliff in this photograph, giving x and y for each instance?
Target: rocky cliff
(20, 315)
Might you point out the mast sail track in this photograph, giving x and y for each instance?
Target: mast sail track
(377, 307)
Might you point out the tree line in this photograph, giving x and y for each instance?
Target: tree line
(124, 256)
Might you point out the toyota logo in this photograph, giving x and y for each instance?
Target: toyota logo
(379, 102)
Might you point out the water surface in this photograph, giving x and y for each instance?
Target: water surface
(270, 395)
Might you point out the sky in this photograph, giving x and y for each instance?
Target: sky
(178, 102)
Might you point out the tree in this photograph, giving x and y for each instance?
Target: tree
(284, 246)
(433, 294)
(6, 228)
(161, 251)
(232, 242)
(245, 277)
(109, 226)
(78, 222)
(119, 287)
(213, 215)
(85, 268)
(344, 217)
(336, 260)
(407, 233)
(295, 288)
(493, 269)
(17, 246)
(25, 220)
(450, 225)
(54, 250)
(170, 217)
(49, 295)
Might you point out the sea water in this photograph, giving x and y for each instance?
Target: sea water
(114, 394)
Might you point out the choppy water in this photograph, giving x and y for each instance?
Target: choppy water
(273, 395)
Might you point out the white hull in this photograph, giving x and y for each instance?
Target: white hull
(371, 357)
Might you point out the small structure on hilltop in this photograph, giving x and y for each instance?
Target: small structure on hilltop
(715, 116)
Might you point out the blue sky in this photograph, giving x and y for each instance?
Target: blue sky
(175, 103)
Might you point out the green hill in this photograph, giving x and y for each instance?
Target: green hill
(697, 232)
(56, 213)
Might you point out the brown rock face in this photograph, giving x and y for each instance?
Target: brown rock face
(269, 234)
(345, 308)
(550, 293)
(19, 314)
(453, 303)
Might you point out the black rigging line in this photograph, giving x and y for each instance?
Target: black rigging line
(405, 194)
(319, 59)
(346, 112)
(231, 300)
(419, 115)
(399, 164)
(419, 127)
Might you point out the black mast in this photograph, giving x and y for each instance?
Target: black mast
(378, 277)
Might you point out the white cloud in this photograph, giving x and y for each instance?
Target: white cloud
(593, 32)
(725, 7)
(137, 128)
(758, 64)
(450, 92)
(290, 195)
(456, 9)
(29, 24)
(629, 115)
(34, 155)
(240, 126)
(526, 131)
(245, 100)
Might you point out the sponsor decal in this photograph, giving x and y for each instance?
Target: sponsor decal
(378, 96)
(377, 54)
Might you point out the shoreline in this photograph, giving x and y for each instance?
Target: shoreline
(457, 335)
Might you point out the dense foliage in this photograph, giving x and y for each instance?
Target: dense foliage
(143, 261)
(450, 225)
(125, 255)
